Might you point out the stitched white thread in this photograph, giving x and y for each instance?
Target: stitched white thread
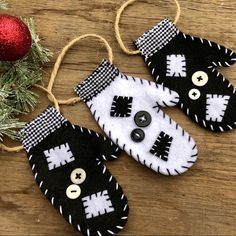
(119, 227)
(110, 232)
(88, 232)
(52, 200)
(35, 176)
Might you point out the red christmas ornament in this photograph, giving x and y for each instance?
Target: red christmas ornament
(15, 38)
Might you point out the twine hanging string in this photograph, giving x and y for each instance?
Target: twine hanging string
(117, 27)
(11, 149)
(48, 90)
(61, 56)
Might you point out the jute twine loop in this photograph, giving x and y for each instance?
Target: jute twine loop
(61, 57)
(117, 25)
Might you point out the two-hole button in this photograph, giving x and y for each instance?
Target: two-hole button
(73, 191)
(137, 135)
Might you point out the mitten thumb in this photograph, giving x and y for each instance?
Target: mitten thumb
(163, 96)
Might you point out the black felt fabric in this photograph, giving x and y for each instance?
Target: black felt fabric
(89, 150)
(199, 55)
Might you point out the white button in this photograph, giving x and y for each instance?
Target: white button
(73, 191)
(200, 78)
(78, 176)
(194, 94)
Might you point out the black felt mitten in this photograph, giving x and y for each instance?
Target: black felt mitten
(186, 64)
(129, 111)
(66, 161)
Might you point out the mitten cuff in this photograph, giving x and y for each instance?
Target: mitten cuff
(102, 77)
(156, 38)
(41, 127)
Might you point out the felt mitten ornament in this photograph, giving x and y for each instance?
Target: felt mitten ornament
(187, 65)
(67, 163)
(129, 111)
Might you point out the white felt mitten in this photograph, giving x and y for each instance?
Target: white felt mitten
(128, 110)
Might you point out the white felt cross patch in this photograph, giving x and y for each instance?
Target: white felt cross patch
(216, 106)
(58, 156)
(176, 66)
(97, 204)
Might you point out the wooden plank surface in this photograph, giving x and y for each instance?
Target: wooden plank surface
(200, 202)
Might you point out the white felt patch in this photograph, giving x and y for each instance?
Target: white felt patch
(216, 106)
(179, 152)
(97, 204)
(176, 66)
(58, 156)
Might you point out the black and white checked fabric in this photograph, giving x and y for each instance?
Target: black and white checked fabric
(41, 127)
(156, 38)
(97, 81)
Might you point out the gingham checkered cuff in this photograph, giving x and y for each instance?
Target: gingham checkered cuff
(102, 77)
(156, 38)
(38, 129)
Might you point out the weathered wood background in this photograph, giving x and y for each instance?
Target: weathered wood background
(200, 202)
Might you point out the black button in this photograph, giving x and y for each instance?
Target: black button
(137, 135)
(142, 119)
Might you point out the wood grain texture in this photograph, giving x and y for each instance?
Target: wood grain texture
(200, 202)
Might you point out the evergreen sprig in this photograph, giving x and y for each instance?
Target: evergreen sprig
(3, 5)
(16, 80)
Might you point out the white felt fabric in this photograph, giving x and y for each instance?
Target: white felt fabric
(216, 106)
(146, 95)
(97, 204)
(176, 66)
(58, 156)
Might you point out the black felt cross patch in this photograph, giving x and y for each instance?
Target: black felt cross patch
(162, 146)
(121, 106)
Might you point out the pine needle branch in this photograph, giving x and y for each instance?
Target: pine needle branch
(16, 80)
(8, 125)
(38, 54)
(3, 5)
